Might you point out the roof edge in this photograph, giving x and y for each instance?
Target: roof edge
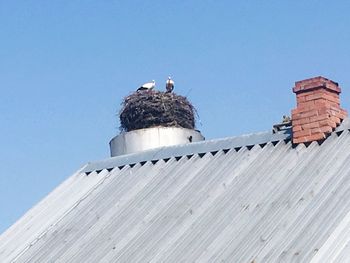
(189, 149)
(213, 145)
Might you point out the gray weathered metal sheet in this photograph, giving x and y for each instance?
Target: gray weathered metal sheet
(266, 203)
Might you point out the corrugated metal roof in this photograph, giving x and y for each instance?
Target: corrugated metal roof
(268, 202)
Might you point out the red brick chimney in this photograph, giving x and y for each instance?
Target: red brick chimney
(318, 110)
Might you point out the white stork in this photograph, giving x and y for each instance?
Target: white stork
(169, 85)
(147, 86)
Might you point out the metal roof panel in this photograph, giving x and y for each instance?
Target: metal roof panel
(271, 202)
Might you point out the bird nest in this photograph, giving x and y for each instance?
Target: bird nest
(145, 109)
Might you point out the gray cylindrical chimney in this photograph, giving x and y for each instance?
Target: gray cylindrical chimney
(145, 139)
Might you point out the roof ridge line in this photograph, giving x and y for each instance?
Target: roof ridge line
(188, 149)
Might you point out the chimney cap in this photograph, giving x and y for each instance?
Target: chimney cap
(316, 83)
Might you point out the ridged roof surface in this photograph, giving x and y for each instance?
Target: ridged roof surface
(254, 199)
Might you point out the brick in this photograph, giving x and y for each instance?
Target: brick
(314, 96)
(297, 111)
(327, 122)
(305, 106)
(302, 115)
(326, 129)
(321, 102)
(334, 108)
(315, 137)
(303, 109)
(316, 130)
(319, 117)
(310, 125)
(296, 128)
(296, 116)
(310, 138)
(342, 116)
(333, 104)
(309, 114)
(317, 82)
(334, 87)
(311, 85)
(299, 140)
(303, 95)
(302, 133)
(331, 98)
(335, 120)
(301, 99)
(323, 110)
(310, 80)
(332, 93)
(334, 113)
(301, 121)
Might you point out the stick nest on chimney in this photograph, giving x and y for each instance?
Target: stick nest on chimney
(149, 108)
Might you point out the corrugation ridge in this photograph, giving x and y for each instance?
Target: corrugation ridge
(344, 254)
(213, 214)
(294, 225)
(245, 205)
(136, 246)
(299, 252)
(102, 177)
(40, 235)
(178, 230)
(330, 210)
(301, 195)
(124, 185)
(280, 197)
(336, 243)
(318, 157)
(138, 215)
(124, 229)
(195, 210)
(242, 206)
(153, 184)
(131, 182)
(176, 241)
(62, 216)
(30, 218)
(235, 249)
(55, 249)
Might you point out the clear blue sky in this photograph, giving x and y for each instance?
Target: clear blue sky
(66, 65)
